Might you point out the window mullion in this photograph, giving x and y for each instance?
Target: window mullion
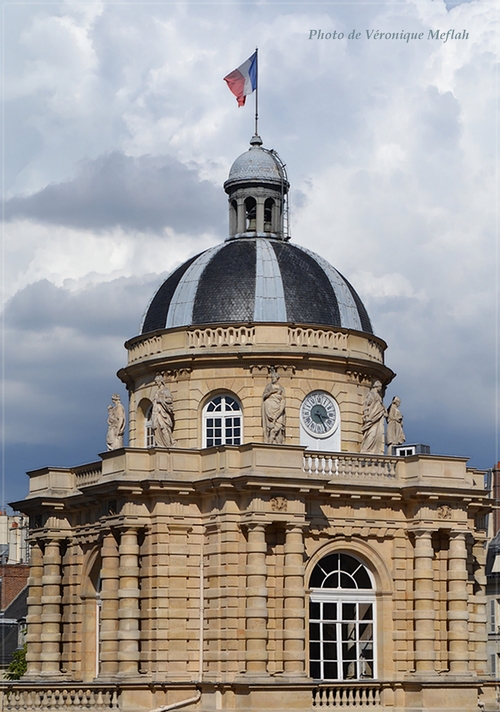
(340, 661)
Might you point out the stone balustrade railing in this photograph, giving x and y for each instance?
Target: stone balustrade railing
(318, 338)
(88, 474)
(190, 465)
(295, 338)
(353, 466)
(65, 699)
(223, 336)
(352, 695)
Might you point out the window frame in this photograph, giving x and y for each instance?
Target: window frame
(224, 415)
(149, 436)
(330, 630)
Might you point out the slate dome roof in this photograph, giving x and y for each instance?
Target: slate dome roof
(256, 279)
(257, 165)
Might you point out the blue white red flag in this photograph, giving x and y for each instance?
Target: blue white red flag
(243, 81)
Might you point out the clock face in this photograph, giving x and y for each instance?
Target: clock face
(318, 414)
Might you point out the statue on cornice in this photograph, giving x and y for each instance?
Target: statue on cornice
(273, 411)
(116, 423)
(162, 414)
(394, 434)
(374, 414)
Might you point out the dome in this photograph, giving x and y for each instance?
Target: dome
(256, 279)
(257, 165)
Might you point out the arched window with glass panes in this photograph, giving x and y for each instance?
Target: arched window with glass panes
(222, 421)
(341, 620)
(148, 428)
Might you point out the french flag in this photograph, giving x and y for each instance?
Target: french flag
(243, 81)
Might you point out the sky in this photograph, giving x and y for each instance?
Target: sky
(118, 132)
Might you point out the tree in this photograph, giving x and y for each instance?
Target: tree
(17, 666)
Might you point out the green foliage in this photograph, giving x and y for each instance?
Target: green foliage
(18, 665)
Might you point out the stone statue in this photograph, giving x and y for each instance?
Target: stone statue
(162, 414)
(116, 423)
(374, 414)
(273, 411)
(394, 434)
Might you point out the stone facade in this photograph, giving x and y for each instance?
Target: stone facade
(162, 575)
(225, 573)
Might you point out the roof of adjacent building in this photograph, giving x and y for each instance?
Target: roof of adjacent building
(256, 279)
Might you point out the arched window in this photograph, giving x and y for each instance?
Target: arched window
(233, 217)
(341, 620)
(148, 429)
(222, 422)
(268, 215)
(251, 214)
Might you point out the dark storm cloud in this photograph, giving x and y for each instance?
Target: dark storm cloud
(62, 352)
(110, 308)
(145, 193)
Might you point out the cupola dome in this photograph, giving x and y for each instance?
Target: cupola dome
(257, 165)
(256, 280)
(256, 275)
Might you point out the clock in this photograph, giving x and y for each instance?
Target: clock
(318, 414)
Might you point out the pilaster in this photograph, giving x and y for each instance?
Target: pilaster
(256, 593)
(424, 613)
(294, 595)
(34, 617)
(458, 614)
(51, 609)
(109, 605)
(128, 606)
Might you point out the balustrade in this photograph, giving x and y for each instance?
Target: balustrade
(55, 698)
(223, 336)
(340, 465)
(347, 696)
(88, 474)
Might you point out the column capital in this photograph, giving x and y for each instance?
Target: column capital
(458, 533)
(421, 532)
(254, 524)
(290, 526)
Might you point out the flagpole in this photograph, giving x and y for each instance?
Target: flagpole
(256, 90)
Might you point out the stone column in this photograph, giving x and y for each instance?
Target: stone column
(109, 606)
(259, 224)
(241, 219)
(256, 611)
(424, 613)
(293, 607)
(128, 606)
(33, 619)
(458, 614)
(51, 609)
(480, 605)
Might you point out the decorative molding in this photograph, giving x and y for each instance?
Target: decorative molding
(361, 379)
(444, 511)
(175, 374)
(375, 351)
(279, 504)
(266, 370)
